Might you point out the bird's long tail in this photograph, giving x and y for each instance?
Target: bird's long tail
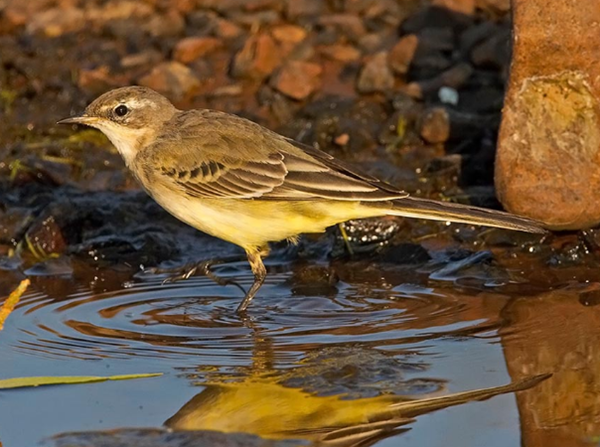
(456, 212)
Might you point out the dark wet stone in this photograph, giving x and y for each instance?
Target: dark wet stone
(13, 224)
(149, 437)
(313, 280)
(45, 237)
(365, 236)
(435, 17)
(406, 254)
(494, 52)
(571, 253)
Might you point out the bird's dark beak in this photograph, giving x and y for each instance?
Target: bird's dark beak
(82, 119)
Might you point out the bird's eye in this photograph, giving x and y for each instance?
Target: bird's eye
(121, 110)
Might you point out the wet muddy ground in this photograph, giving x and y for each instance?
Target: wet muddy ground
(410, 92)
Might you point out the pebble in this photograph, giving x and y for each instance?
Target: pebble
(376, 75)
(402, 54)
(258, 57)
(298, 79)
(435, 125)
(191, 48)
(172, 79)
(340, 52)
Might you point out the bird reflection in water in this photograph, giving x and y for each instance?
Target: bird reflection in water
(262, 403)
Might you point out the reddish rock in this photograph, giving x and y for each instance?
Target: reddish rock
(171, 78)
(346, 24)
(298, 79)
(227, 29)
(376, 75)
(402, 53)
(435, 125)
(340, 52)
(191, 48)
(289, 33)
(257, 59)
(548, 158)
(342, 139)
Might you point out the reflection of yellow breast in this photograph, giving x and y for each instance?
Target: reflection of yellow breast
(263, 407)
(273, 411)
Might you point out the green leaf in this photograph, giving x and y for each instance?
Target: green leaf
(22, 382)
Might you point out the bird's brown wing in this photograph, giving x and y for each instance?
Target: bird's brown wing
(225, 156)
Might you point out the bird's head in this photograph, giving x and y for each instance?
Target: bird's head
(130, 117)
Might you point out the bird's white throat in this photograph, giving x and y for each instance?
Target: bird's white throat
(128, 141)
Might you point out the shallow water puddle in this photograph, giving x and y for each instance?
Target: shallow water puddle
(368, 339)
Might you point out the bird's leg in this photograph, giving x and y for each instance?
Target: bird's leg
(260, 273)
(204, 267)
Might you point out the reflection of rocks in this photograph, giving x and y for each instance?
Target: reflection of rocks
(556, 332)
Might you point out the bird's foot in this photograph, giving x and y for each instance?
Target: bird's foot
(188, 270)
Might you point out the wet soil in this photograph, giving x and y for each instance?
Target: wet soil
(409, 91)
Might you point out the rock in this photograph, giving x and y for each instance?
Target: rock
(191, 48)
(298, 79)
(549, 142)
(141, 59)
(172, 79)
(227, 30)
(376, 75)
(296, 9)
(99, 80)
(346, 24)
(500, 7)
(475, 35)
(257, 59)
(57, 21)
(45, 238)
(374, 42)
(341, 53)
(256, 20)
(289, 38)
(402, 53)
(493, 52)
(342, 139)
(435, 125)
(462, 6)
(288, 33)
(165, 25)
(454, 77)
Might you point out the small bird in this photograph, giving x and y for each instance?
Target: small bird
(236, 180)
